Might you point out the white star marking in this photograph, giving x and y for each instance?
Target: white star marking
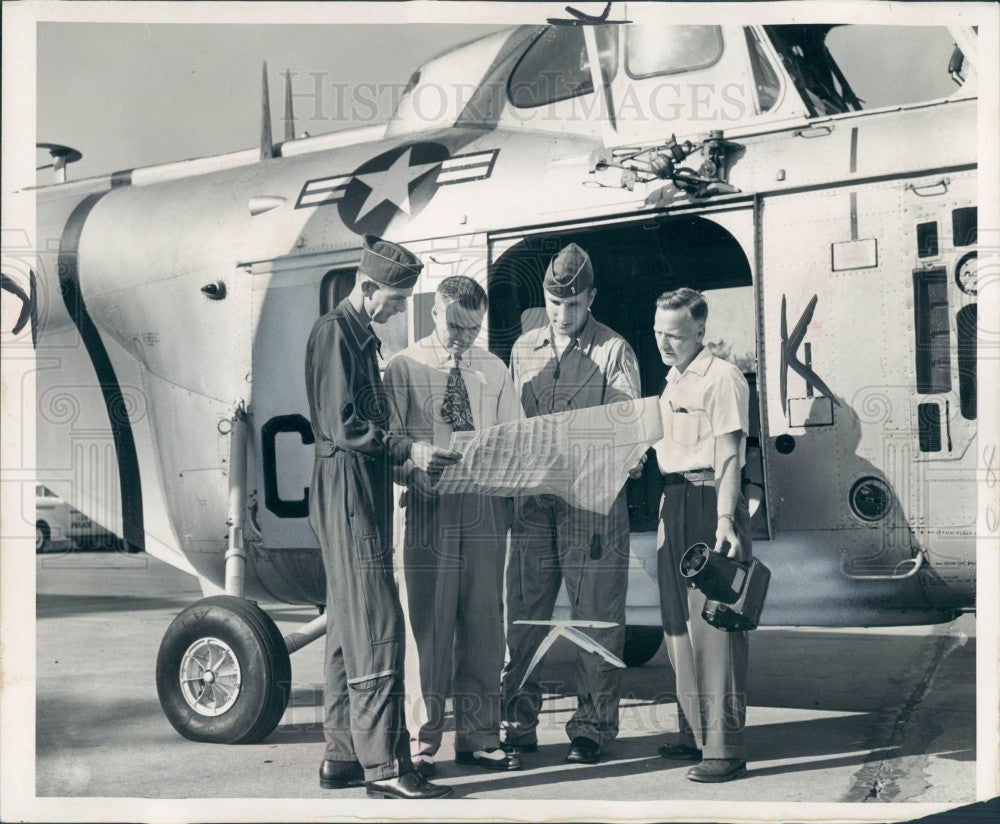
(393, 184)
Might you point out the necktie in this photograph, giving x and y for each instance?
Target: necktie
(455, 408)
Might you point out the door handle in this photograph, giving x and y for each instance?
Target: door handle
(822, 130)
(930, 189)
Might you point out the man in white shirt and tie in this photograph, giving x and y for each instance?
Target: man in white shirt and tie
(705, 422)
(454, 545)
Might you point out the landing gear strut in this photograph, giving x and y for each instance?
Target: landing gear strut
(223, 674)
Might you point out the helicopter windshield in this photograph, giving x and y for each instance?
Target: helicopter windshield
(555, 67)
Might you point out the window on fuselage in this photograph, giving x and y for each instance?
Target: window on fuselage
(851, 68)
(893, 65)
(656, 50)
(555, 67)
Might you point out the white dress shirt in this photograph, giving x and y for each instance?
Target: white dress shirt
(416, 380)
(708, 399)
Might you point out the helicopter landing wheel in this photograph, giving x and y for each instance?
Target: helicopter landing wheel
(223, 674)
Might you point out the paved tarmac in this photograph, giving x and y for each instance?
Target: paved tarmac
(880, 715)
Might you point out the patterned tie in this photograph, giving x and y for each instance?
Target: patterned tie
(455, 408)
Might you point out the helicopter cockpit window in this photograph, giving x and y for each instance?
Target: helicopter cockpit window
(839, 69)
(764, 76)
(655, 50)
(556, 67)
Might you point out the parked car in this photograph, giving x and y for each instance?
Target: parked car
(60, 526)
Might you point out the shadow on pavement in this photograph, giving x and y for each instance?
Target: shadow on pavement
(61, 606)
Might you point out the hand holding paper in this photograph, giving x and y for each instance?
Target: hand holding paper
(584, 455)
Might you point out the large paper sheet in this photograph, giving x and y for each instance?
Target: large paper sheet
(583, 455)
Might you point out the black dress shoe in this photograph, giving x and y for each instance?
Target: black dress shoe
(679, 752)
(339, 775)
(583, 751)
(411, 786)
(716, 770)
(425, 766)
(510, 747)
(482, 758)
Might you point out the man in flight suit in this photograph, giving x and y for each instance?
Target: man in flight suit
(573, 362)
(705, 423)
(350, 512)
(455, 544)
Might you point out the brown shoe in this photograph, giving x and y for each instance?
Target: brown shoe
(716, 770)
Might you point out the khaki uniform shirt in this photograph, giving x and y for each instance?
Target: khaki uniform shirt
(708, 399)
(599, 367)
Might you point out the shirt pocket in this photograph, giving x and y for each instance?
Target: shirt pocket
(686, 427)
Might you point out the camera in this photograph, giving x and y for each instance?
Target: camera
(735, 591)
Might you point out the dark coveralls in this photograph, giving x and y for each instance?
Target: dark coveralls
(350, 511)
(552, 541)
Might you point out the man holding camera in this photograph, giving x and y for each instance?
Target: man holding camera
(705, 423)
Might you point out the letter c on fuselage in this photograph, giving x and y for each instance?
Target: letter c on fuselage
(268, 432)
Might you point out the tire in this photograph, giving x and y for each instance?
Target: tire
(43, 537)
(641, 644)
(245, 703)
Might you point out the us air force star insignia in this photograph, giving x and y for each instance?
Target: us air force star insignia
(393, 184)
(397, 183)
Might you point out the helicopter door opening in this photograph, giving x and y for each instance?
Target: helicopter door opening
(289, 295)
(634, 263)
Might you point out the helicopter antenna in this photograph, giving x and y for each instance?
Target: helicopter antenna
(289, 114)
(266, 143)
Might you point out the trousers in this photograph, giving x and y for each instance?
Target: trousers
(364, 711)
(553, 542)
(710, 664)
(453, 554)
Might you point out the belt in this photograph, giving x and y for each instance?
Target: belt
(707, 474)
(327, 449)
(324, 449)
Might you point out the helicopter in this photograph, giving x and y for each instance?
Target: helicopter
(170, 313)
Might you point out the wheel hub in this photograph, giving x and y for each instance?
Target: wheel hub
(210, 676)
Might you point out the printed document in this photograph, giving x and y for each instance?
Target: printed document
(583, 455)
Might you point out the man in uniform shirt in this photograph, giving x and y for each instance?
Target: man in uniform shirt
(455, 544)
(705, 422)
(350, 512)
(574, 362)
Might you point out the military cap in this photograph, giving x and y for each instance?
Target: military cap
(569, 273)
(389, 263)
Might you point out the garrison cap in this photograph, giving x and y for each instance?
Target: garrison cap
(570, 273)
(389, 263)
